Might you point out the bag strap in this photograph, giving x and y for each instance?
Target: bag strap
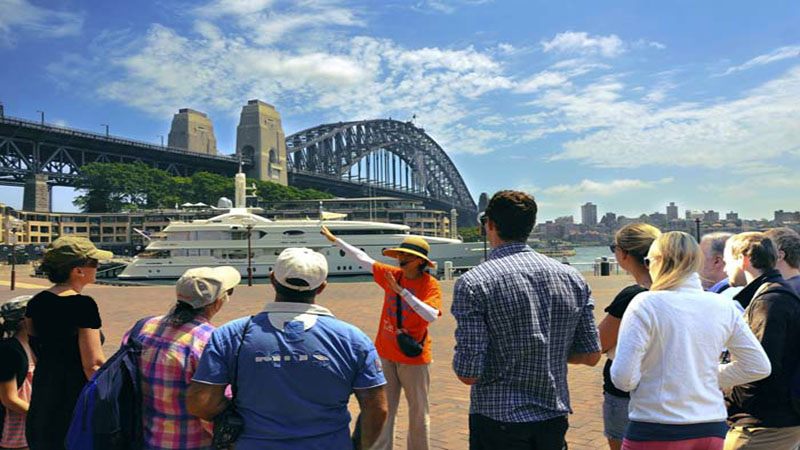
(398, 304)
(137, 329)
(399, 313)
(234, 384)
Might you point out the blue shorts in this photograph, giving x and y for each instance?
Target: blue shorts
(615, 416)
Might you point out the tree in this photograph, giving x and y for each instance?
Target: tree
(115, 187)
(470, 234)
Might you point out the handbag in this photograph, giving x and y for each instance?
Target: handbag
(228, 424)
(408, 345)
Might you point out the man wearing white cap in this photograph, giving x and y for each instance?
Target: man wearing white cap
(171, 349)
(293, 366)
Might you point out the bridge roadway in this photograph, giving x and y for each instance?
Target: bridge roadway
(28, 148)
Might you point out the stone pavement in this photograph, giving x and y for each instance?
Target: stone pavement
(359, 304)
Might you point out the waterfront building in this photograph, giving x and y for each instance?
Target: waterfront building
(589, 214)
(672, 211)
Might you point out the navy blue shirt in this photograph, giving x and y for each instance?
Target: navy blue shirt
(297, 368)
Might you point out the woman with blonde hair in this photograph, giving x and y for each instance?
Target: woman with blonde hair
(668, 352)
(630, 247)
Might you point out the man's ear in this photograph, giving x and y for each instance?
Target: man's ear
(322, 287)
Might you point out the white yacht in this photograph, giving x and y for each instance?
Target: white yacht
(222, 240)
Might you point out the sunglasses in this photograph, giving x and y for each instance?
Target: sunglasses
(648, 261)
(92, 263)
(230, 292)
(613, 248)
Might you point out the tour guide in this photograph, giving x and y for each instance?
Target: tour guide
(404, 347)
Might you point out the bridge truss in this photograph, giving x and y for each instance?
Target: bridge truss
(388, 155)
(30, 148)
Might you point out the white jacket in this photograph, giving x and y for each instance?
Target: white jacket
(668, 355)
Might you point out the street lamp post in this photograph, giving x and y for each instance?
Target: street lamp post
(697, 228)
(15, 225)
(42, 113)
(105, 125)
(248, 223)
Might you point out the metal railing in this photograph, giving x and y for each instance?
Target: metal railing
(112, 139)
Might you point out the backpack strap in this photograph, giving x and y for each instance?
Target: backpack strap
(234, 387)
(137, 328)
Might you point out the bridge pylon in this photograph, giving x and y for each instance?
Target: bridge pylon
(36, 196)
(260, 138)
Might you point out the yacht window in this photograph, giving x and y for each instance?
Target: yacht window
(293, 232)
(341, 253)
(236, 254)
(154, 254)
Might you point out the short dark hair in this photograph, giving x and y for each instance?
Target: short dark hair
(758, 247)
(787, 241)
(59, 273)
(293, 295)
(513, 213)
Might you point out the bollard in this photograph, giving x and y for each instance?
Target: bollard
(448, 270)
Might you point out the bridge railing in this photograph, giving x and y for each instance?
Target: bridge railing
(113, 139)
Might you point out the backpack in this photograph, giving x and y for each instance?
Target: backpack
(108, 413)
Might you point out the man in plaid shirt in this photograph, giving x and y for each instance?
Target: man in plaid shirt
(521, 318)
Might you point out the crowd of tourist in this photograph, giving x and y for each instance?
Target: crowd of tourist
(703, 351)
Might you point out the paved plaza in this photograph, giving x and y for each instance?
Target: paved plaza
(359, 303)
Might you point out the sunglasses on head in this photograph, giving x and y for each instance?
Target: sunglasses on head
(92, 263)
(648, 261)
(613, 248)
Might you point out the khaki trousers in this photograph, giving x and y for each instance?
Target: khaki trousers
(415, 381)
(759, 438)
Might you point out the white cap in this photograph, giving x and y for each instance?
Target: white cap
(302, 265)
(202, 286)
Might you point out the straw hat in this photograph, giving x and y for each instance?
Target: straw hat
(413, 245)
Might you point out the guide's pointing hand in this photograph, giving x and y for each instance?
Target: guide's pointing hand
(327, 233)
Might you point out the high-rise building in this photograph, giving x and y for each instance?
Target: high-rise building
(731, 216)
(589, 214)
(710, 216)
(691, 215)
(672, 211)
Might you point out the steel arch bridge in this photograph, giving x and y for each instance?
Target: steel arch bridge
(385, 156)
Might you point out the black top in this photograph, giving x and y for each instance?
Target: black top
(59, 377)
(617, 309)
(773, 313)
(15, 361)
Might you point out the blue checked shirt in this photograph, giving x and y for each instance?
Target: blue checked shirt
(520, 315)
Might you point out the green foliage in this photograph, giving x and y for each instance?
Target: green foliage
(470, 234)
(115, 187)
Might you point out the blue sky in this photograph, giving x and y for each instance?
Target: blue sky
(628, 105)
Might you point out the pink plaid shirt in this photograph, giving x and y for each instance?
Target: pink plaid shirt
(168, 362)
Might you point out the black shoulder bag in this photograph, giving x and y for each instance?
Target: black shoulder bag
(408, 345)
(228, 424)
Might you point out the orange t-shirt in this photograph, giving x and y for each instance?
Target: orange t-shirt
(425, 288)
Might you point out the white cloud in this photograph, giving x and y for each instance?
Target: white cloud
(541, 80)
(233, 7)
(605, 189)
(214, 67)
(22, 18)
(445, 6)
(581, 43)
(778, 54)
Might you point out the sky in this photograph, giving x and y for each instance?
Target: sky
(626, 104)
